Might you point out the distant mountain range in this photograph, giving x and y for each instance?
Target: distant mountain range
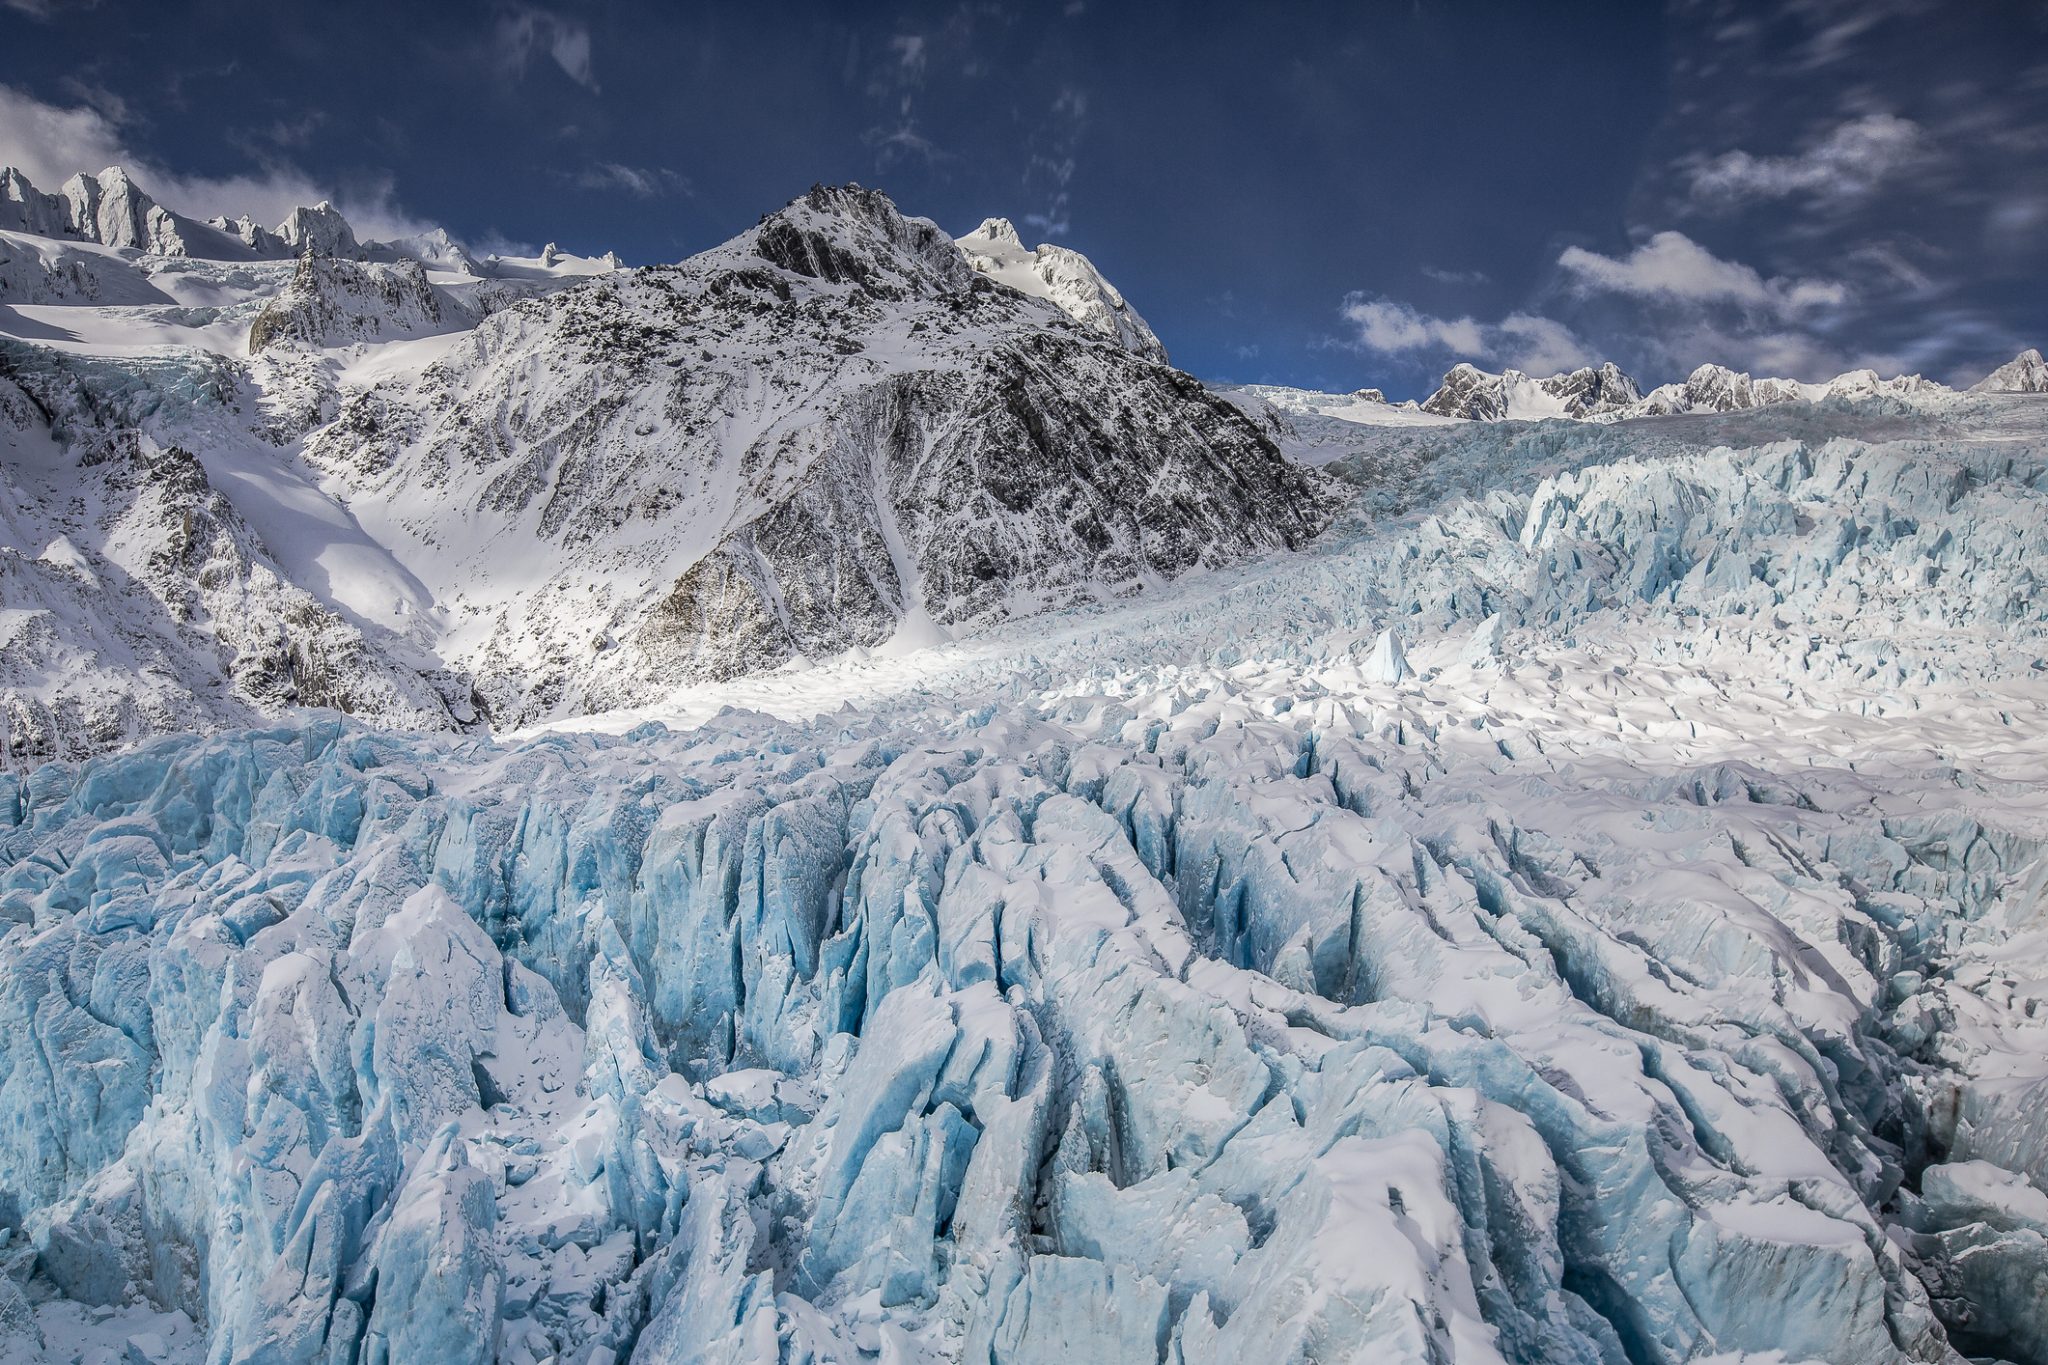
(1606, 394)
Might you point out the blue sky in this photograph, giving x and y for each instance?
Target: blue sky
(1324, 195)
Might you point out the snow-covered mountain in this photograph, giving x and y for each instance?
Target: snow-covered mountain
(1716, 388)
(2026, 372)
(518, 491)
(1469, 392)
(828, 433)
(1605, 394)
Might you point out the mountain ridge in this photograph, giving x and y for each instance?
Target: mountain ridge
(566, 487)
(1605, 393)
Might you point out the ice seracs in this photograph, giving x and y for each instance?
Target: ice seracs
(1153, 983)
(1388, 662)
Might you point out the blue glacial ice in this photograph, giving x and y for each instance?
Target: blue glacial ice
(1575, 947)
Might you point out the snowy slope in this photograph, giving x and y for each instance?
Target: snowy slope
(1595, 919)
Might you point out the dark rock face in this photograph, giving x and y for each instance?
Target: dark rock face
(1588, 392)
(1470, 392)
(849, 235)
(1052, 472)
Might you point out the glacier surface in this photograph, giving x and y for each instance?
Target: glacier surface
(1588, 908)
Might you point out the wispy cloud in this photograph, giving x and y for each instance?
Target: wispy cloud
(1050, 171)
(642, 182)
(1442, 276)
(1849, 161)
(892, 145)
(43, 9)
(525, 32)
(896, 70)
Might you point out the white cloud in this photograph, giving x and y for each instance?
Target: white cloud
(527, 31)
(1850, 161)
(1539, 345)
(1389, 326)
(1672, 267)
(910, 52)
(50, 144)
(1523, 341)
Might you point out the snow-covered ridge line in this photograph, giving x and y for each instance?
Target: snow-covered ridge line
(110, 209)
(1064, 277)
(1605, 394)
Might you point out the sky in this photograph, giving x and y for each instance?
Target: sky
(1332, 196)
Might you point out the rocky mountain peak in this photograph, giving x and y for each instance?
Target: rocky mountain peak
(333, 300)
(1588, 392)
(999, 231)
(24, 208)
(1718, 388)
(320, 230)
(1063, 277)
(846, 234)
(1468, 391)
(2026, 372)
(110, 208)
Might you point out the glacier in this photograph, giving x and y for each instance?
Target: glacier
(1586, 907)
